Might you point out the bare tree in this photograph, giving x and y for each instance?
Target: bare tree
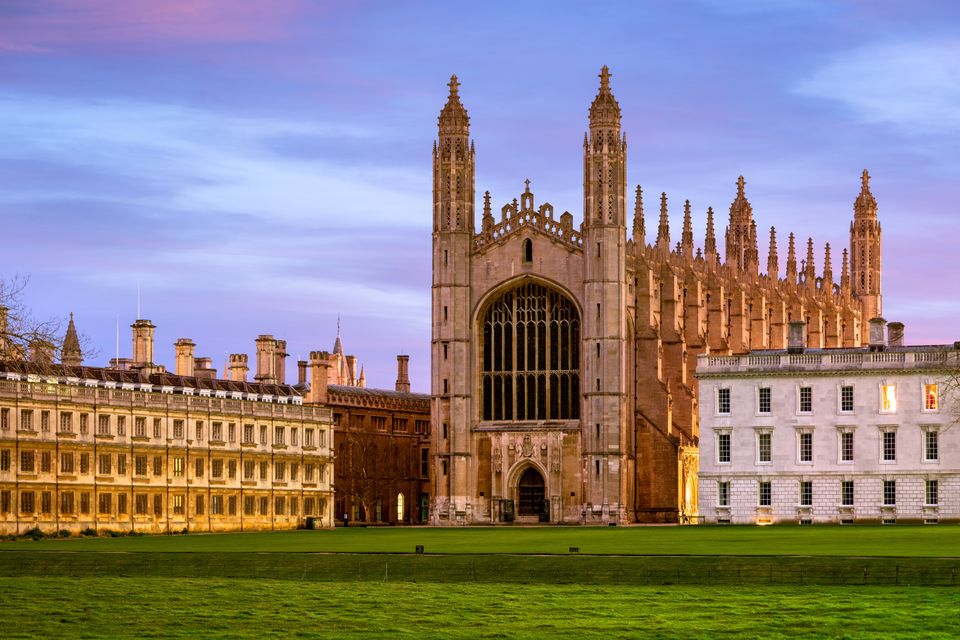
(366, 469)
(950, 393)
(27, 342)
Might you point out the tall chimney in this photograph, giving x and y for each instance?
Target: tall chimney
(40, 352)
(319, 363)
(280, 364)
(796, 339)
(878, 334)
(142, 343)
(301, 373)
(238, 367)
(352, 371)
(895, 334)
(403, 374)
(184, 356)
(266, 359)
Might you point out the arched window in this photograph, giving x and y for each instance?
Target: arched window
(400, 511)
(528, 250)
(530, 339)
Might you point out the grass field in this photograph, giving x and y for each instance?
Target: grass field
(901, 541)
(167, 608)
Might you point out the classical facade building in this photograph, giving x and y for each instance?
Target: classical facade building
(563, 355)
(830, 435)
(134, 447)
(382, 443)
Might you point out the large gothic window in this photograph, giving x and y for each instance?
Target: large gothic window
(531, 356)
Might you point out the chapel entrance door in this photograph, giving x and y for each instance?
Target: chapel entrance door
(530, 494)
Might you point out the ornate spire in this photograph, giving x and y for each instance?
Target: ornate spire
(741, 236)
(791, 259)
(686, 237)
(362, 380)
(663, 230)
(710, 243)
(845, 275)
(865, 204)
(639, 228)
(453, 117)
(338, 344)
(753, 251)
(605, 111)
(827, 282)
(773, 261)
(70, 355)
(809, 266)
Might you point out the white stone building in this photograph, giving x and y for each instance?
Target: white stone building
(830, 435)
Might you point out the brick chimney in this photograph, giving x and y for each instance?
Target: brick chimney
(203, 368)
(142, 344)
(352, 371)
(266, 359)
(319, 363)
(878, 334)
(796, 339)
(301, 373)
(895, 334)
(403, 374)
(280, 364)
(238, 367)
(184, 356)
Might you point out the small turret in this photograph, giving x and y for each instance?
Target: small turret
(827, 282)
(639, 227)
(686, 236)
(663, 229)
(71, 355)
(845, 276)
(810, 266)
(773, 261)
(710, 243)
(791, 259)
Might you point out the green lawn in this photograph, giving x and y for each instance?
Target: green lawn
(187, 608)
(903, 541)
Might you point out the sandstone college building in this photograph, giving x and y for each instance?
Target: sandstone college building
(563, 356)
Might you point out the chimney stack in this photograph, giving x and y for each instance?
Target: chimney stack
(878, 334)
(280, 366)
(203, 368)
(301, 373)
(796, 339)
(121, 364)
(40, 352)
(238, 367)
(319, 363)
(895, 334)
(403, 374)
(142, 344)
(266, 359)
(184, 356)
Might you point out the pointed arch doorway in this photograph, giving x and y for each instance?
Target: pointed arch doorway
(531, 496)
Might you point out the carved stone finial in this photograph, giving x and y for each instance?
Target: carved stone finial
(527, 182)
(454, 86)
(605, 78)
(741, 183)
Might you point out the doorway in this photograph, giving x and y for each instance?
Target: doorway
(530, 494)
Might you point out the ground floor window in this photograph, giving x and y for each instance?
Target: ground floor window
(889, 493)
(765, 498)
(933, 493)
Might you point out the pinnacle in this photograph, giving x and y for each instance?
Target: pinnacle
(605, 79)
(454, 86)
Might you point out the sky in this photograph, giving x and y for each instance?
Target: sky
(263, 167)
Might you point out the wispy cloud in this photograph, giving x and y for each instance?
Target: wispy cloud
(912, 85)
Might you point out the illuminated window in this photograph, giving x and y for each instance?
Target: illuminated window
(931, 397)
(400, 510)
(888, 398)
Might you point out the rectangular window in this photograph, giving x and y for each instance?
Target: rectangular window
(26, 462)
(264, 468)
(232, 505)
(178, 466)
(216, 505)
(889, 493)
(308, 471)
(308, 437)
(806, 400)
(248, 505)
(216, 468)
(931, 397)
(763, 400)
(293, 436)
(278, 435)
(121, 464)
(46, 502)
(933, 493)
(263, 434)
(26, 420)
(140, 504)
(846, 493)
(308, 506)
(199, 431)
(121, 425)
(158, 465)
(66, 422)
(178, 505)
(157, 428)
(264, 506)
(84, 463)
(216, 432)
(379, 423)
(232, 432)
(5, 459)
(723, 401)
(139, 427)
(178, 429)
(45, 421)
(278, 505)
(723, 447)
(140, 465)
(888, 398)
(198, 467)
(764, 489)
(723, 494)
(26, 502)
(5, 501)
(846, 399)
(104, 468)
(232, 469)
(424, 463)
(806, 493)
(103, 426)
(846, 446)
(248, 469)
(105, 503)
(122, 503)
(763, 447)
(889, 446)
(294, 470)
(66, 502)
(45, 461)
(158, 505)
(66, 462)
(200, 506)
(931, 446)
(84, 424)
(84, 503)
(279, 470)
(4, 419)
(248, 434)
(806, 447)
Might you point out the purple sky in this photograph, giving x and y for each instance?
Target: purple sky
(262, 166)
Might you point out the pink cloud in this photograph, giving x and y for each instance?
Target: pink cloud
(54, 24)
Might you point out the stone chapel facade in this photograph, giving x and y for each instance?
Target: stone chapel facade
(563, 356)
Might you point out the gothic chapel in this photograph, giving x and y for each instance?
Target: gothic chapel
(563, 356)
